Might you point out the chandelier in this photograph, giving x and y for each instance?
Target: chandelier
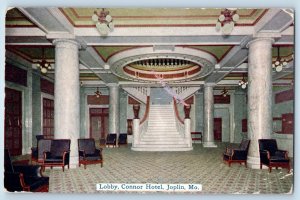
(279, 63)
(226, 20)
(243, 83)
(224, 92)
(43, 64)
(98, 93)
(104, 22)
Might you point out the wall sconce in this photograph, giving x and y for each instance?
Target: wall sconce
(43, 64)
(98, 93)
(224, 92)
(279, 63)
(243, 83)
(104, 22)
(226, 20)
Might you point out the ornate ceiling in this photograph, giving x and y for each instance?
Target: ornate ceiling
(155, 17)
(151, 33)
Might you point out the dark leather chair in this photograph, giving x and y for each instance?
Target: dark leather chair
(58, 155)
(23, 177)
(271, 156)
(122, 139)
(88, 154)
(111, 139)
(34, 150)
(238, 155)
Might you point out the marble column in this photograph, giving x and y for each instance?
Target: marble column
(113, 121)
(66, 96)
(259, 95)
(208, 136)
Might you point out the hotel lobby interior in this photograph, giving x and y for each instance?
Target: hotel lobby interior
(168, 95)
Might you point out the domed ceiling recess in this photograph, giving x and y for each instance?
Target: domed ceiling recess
(166, 68)
(181, 65)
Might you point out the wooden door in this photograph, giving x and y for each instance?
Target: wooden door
(48, 118)
(13, 121)
(288, 123)
(218, 129)
(98, 123)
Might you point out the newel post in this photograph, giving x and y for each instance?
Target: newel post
(136, 110)
(187, 110)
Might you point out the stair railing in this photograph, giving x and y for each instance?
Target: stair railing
(179, 122)
(144, 121)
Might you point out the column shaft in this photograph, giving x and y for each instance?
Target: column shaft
(113, 108)
(208, 136)
(259, 95)
(66, 98)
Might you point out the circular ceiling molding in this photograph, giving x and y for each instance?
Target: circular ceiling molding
(147, 65)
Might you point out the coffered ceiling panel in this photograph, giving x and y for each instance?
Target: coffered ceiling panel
(33, 53)
(218, 51)
(14, 18)
(147, 17)
(105, 52)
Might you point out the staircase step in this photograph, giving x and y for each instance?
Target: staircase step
(162, 142)
(162, 149)
(166, 136)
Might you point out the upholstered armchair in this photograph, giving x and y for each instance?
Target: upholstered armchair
(23, 177)
(238, 155)
(34, 150)
(58, 155)
(111, 140)
(271, 156)
(122, 139)
(88, 154)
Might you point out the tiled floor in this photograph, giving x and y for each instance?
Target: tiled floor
(202, 166)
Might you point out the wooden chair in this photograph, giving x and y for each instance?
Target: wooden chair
(34, 150)
(23, 177)
(111, 140)
(122, 139)
(58, 155)
(271, 156)
(238, 155)
(88, 154)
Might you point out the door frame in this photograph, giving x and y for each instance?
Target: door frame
(46, 96)
(22, 90)
(102, 120)
(87, 130)
(221, 119)
(230, 109)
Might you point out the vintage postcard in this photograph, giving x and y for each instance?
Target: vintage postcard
(149, 100)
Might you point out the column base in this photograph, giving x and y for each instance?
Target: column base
(73, 162)
(209, 145)
(254, 163)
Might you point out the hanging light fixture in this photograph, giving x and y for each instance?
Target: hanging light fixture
(226, 20)
(243, 83)
(279, 63)
(43, 64)
(104, 22)
(224, 92)
(98, 93)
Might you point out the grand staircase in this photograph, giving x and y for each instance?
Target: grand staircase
(162, 133)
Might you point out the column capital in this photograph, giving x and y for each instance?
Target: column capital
(260, 39)
(112, 84)
(66, 43)
(210, 84)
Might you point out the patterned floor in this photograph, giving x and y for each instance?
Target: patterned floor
(202, 165)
